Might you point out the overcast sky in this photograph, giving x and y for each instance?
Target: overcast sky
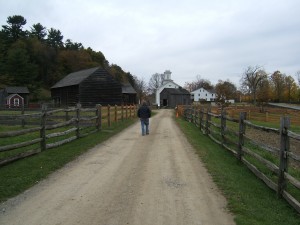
(212, 38)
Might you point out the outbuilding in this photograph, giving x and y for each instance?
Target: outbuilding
(171, 97)
(87, 87)
(14, 97)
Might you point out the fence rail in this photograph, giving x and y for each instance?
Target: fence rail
(55, 128)
(268, 158)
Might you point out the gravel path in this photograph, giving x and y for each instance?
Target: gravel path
(151, 180)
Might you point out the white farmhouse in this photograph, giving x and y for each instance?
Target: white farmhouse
(203, 95)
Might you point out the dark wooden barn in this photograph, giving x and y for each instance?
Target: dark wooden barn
(87, 87)
(171, 97)
(129, 95)
(14, 97)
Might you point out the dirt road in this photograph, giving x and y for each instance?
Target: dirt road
(130, 179)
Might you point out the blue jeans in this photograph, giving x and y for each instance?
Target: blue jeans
(145, 126)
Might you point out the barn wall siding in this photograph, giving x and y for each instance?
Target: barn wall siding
(100, 88)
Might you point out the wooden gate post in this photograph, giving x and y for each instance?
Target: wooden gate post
(43, 127)
(242, 129)
(284, 149)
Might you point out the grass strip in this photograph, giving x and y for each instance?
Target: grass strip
(249, 199)
(21, 175)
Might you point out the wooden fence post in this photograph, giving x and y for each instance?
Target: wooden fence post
(223, 125)
(242, 129)
(284, 149)
(43, 127)
(267, 117)
(201, 118)
(116, 113)
(99, 115)
(130, 111)
(78, 106)
(126, 111)
(67, 114)
(23, 120)
(208, 120)
(122, 112)
(108, 115)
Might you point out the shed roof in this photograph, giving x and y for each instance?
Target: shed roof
(128, 89)
(75, 78)
(19, 90)
(177, 91)
(13, 95)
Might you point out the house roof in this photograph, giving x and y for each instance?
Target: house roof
(128, 89)
(212, 91)
(75, 78)
(12, 95)
(19, 90)
(177, 91)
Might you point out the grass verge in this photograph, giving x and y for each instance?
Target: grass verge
(21, 175)
(249, 199)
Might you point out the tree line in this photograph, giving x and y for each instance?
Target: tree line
(39, 57)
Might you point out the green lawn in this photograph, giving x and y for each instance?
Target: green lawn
(249, 199)
(22, 174)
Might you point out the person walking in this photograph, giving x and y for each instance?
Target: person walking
(144, 113)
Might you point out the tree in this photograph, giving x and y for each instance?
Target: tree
(97, 57)
(155, 82)
(264, 91)
(55, 38)
(13, 30)
(38, 31)
(225, 90)
(298, 76)
(251, 77)
(198, 83)
(141, 88)
(19, 67)
(290, 89)
(73, 45)
(278, 82)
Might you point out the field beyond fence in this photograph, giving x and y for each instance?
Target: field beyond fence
(271, 153)
(23, 135)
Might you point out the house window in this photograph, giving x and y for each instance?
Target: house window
(205, 94)
(16, 102)
(198, 94)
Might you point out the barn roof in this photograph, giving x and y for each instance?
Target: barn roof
(177, 91)
(128, 89)
(75, 78)
(19, 90)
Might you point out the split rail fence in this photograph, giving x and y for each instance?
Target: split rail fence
(50, 129)
(273, 155)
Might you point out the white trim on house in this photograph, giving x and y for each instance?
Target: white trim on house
(202, 94)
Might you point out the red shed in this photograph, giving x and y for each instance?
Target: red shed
(14, 101)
